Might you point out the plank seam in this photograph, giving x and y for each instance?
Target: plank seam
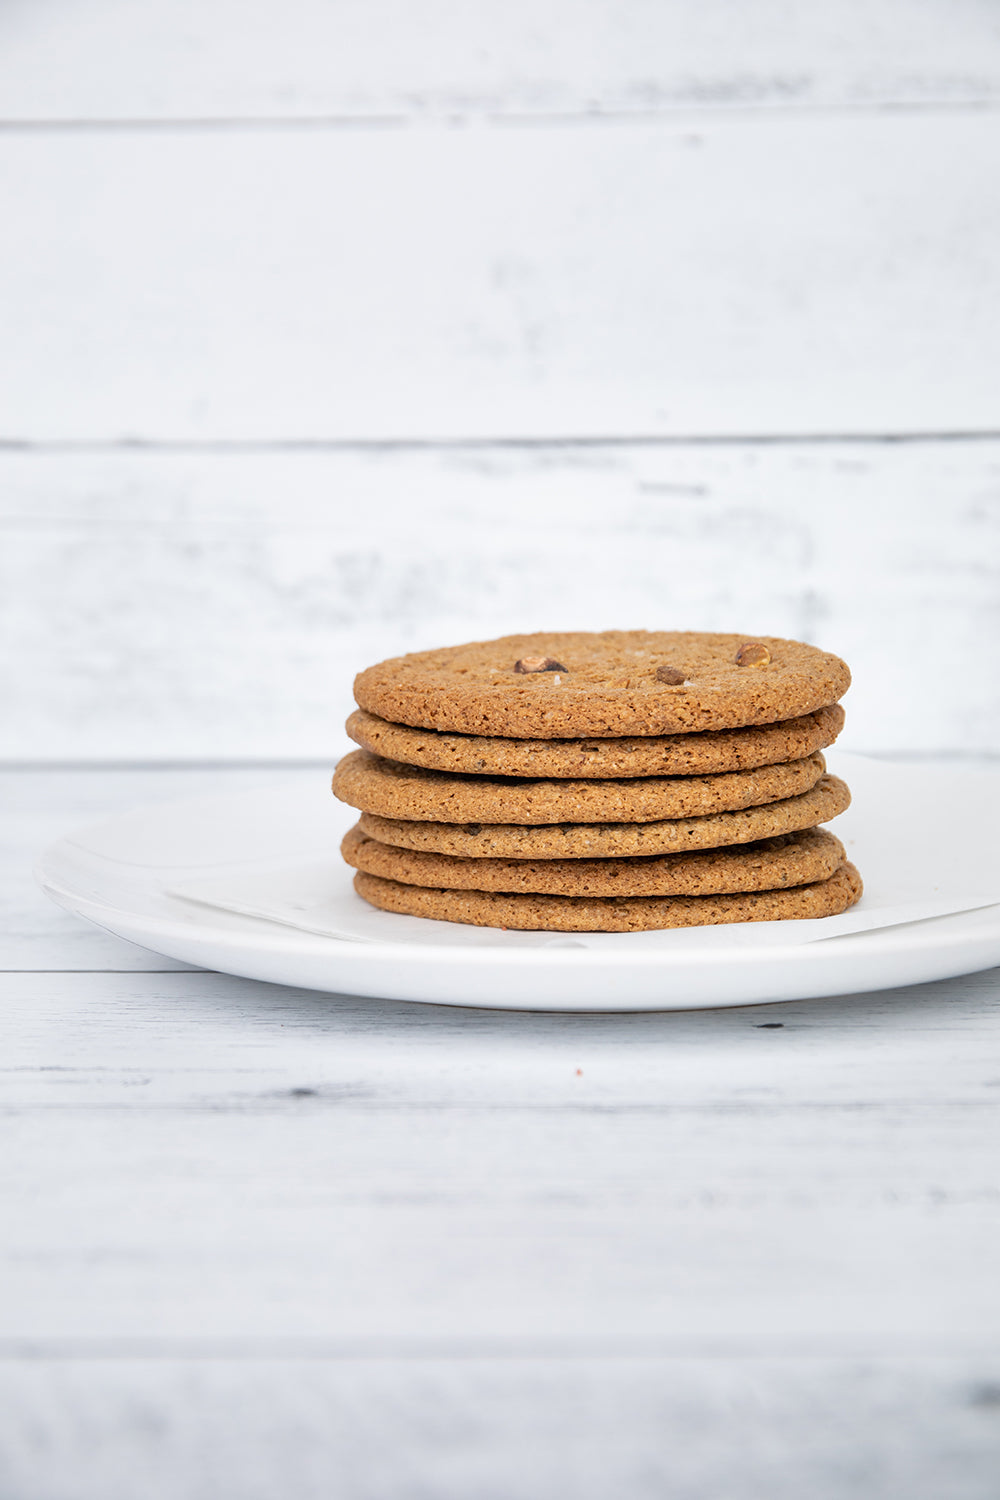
(693, 108)
(431, 444)
(17, 1350)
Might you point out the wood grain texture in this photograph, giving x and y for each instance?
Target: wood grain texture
(414, 58)
(695, 277)
(752, 1429)
(197, 1159)
(219, 604)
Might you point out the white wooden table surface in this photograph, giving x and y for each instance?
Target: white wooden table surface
(259, 1242)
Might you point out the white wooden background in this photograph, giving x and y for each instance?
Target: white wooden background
(335, 329)
(339, 327)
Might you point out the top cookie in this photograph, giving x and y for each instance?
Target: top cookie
(607, 684)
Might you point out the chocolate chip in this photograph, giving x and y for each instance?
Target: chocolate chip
(752, 654)
(539, 664)
(670, 675)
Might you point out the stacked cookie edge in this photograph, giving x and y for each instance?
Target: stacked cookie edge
(577, 831)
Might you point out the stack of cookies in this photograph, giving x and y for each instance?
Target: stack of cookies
(610, 782)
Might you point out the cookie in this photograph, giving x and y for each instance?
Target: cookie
(772, 864)
(391, 790)
(606, 914)
(651, 755)
(610, 840)
(609, 684)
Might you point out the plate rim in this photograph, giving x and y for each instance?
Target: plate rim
(290, 939)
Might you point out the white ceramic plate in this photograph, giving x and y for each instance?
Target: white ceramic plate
(284, 909)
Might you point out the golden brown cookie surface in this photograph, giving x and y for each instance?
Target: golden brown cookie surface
(392, 790)
(610, 683)
(772, 864)
(610, 840)
(649, 755)
(603, 914)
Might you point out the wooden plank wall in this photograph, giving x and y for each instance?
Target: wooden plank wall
(332, 330)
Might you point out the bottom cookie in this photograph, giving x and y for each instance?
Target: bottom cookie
(823, 898)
